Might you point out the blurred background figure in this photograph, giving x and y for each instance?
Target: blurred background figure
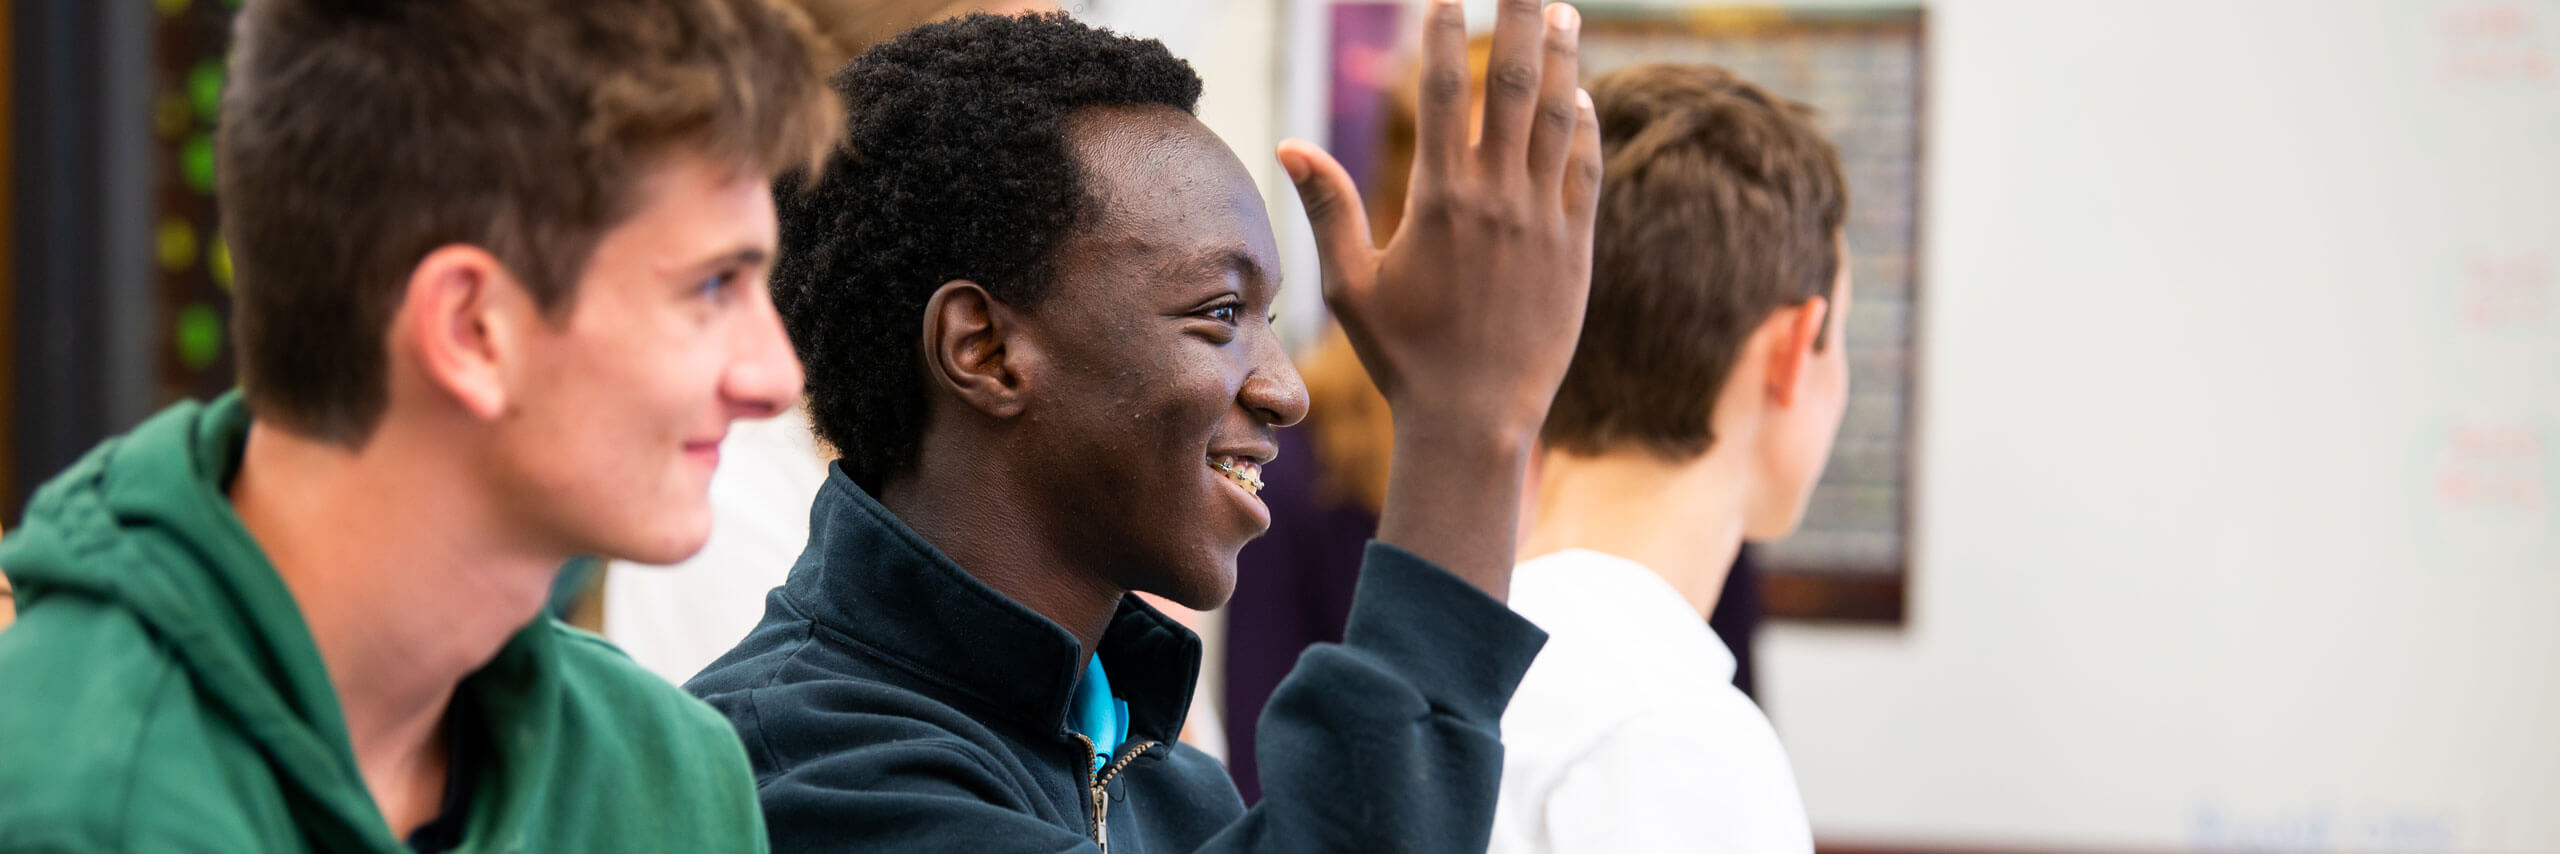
(1718, 273)
(2197, 489)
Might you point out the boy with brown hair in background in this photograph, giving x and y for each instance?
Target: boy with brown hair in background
(1697, 413)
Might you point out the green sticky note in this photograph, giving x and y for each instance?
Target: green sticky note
(204, 89)
(195, 163)
(199, 340)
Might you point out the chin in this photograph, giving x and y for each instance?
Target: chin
(1204, 588)
(674, 555)
(666, 541)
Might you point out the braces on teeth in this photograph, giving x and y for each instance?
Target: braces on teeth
(1249, 478)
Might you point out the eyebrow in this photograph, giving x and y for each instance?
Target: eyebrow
(1230, 258)
(743, 256)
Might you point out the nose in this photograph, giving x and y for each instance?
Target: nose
(1272, 391)
(763, 376)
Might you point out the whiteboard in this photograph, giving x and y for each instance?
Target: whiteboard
(2237, 518)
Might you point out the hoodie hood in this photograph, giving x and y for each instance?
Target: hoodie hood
(144, 523)
(179, 701)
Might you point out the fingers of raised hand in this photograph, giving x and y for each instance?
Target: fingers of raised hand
(1334, 213)
(1583, 169)
(1558, 113)
(1440, 138)
(1513, 78)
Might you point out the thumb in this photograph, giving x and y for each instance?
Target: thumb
(1333, 210)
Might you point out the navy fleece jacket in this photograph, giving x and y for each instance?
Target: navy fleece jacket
(891, 702)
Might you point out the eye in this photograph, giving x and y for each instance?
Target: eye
(1227, 312)
(714, 285)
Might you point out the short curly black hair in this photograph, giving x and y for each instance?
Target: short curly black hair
(956, 167)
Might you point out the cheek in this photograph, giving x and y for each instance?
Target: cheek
(669, 359)
(1170, 397)
(1193, 396)
(620, 398)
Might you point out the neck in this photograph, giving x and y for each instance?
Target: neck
(1682, 520)
(983, 517)
(405, 584)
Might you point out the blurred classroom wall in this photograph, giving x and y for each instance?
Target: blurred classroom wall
(2239, 442)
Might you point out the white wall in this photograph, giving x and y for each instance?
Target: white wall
(2240, 441)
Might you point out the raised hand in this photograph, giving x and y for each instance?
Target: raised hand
(1468, 317)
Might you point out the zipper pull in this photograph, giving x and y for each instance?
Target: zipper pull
(1093, 781)
(1102, 793)
(1102, 817)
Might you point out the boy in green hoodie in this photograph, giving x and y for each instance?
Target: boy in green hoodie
(501, 271)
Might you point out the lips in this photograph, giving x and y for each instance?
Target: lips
(1241, 471)
(707, 451)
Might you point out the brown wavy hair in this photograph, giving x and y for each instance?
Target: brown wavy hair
(1719, 203)
(359, 135)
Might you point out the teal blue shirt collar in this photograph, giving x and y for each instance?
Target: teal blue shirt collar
(1099, 715)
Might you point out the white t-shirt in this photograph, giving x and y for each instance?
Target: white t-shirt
(675, 619)
(1627, 734)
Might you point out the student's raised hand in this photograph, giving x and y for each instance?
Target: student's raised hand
(1468, 317)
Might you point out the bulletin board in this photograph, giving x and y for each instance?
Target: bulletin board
(192, 357)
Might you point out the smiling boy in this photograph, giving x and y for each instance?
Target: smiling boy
(1034, 295)
(500, 291)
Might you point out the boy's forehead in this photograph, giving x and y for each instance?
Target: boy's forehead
(693, 208)
(1161, 181)
(1136, 155)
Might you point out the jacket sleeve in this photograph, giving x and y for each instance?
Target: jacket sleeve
(1391, 740)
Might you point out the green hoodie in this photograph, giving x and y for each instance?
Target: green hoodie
(160, 692)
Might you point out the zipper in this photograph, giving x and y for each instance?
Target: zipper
(1097, 787)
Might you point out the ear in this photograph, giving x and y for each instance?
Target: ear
(973, 349)
(1793, 331)
(458, 317)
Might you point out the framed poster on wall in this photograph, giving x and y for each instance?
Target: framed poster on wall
(1862, 69)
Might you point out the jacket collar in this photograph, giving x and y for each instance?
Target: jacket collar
(867, 576)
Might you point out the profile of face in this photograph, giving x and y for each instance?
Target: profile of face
(1157, 382)
(614, 413)
(1802, 414)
